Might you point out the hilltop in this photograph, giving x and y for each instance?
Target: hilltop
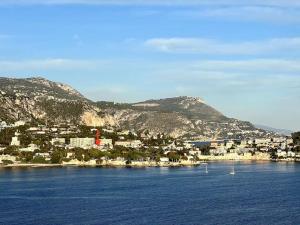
(42, 100)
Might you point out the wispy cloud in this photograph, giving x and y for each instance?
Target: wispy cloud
(254, 10)
(159, 2)
(212, 68)
(243, 73)
(52, 64)
(208, 46)
(268, 13)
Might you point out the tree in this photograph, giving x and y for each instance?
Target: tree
(296, 138)
(57, 156)
(174, 156)
(79, 154)
(7, 162)
(11, 150)
(39, 159)
(26, 156)
(6, 136)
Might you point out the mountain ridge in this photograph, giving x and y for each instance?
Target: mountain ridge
(37, 98)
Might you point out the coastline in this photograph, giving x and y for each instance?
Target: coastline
(104, 165)
(135, 164)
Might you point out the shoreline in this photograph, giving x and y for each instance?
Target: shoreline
(142, 165)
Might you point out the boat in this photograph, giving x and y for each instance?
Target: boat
(232, 171)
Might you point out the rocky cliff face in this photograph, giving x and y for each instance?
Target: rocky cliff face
(40, 99)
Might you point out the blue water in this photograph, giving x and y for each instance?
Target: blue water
(259, 193)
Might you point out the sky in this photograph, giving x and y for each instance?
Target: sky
(241, 56)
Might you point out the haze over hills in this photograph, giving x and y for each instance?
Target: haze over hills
(275, 130)
(43, 100)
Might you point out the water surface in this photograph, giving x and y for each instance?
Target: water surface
(259, 193)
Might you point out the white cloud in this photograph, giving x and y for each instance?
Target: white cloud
(208, 46)
(245, 13)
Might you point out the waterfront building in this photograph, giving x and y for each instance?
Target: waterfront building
(70, 155)
(84, 143)
(164, 159)
(7, 158)
(218, 151)
(30, 148)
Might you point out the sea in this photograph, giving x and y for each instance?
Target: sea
(259, 193)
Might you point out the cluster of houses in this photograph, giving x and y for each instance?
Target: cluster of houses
(4, 124)
(263, 148)
(279, 148)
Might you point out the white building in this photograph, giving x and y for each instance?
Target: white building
(129, 144)
(58, 141)
(164, 159)
(30, 148)
(281, 153)
(82, 142)
(15, 141)
(106, 143)
(108, 130)
(187, 145)
(125, 132)
(70, 155)
(218, 151)
(291, 154)
(7, 157)
(229, 144)
(3, 125)
(19, 123)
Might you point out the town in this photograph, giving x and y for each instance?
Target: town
(26, 143)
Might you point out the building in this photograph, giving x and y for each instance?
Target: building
(123, 133)
(30, 148)
(106, 143)
(164, 159)
(129, 144)
(218, 151)
(3, 125)
(82, 142)
(15, 141)
(19, 123)
(58, 141)
(7, 158)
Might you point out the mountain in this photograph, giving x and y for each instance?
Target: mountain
(38, 99)
(179, 117)
(275, 130)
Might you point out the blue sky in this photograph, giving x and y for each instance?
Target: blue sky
(242, 57)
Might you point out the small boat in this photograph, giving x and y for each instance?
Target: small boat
(232, 171)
